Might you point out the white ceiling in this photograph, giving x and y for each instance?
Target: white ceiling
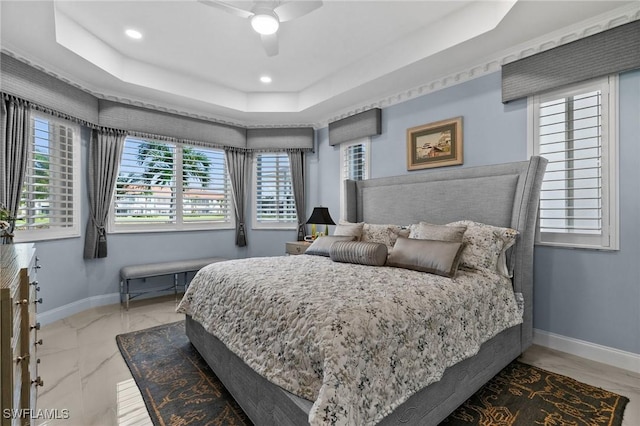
(339, 59)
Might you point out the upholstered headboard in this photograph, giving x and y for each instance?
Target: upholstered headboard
(502, 195)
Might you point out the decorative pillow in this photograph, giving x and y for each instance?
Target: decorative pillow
(383, 234)
(374, 254)
(429, 231)
(322, 245)
(349, 229)
(435, 257)
(486, 246)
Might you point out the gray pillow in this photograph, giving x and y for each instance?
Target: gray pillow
(349, 229)
(363, 253)
(428, 231)
(435, 257)
(321, 245)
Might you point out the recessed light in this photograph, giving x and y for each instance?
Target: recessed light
(265, 79)
(134, 34)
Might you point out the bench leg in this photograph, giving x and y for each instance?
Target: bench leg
(126, 295)
(175, 285)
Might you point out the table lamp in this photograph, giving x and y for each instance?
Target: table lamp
(320, 216)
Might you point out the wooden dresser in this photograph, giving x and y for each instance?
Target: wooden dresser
(19, 341)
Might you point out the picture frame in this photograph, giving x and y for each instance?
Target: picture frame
(435, 144)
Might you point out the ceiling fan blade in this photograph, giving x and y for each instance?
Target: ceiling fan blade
(270, 44)
(227, 8)
(295, 9)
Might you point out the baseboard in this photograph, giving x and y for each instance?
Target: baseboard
(615, 357)
(52, 315)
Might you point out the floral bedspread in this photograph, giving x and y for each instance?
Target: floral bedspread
(358, 340)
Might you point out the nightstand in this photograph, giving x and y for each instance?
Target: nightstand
(297, 247)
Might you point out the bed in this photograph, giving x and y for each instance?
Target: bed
(504, 195)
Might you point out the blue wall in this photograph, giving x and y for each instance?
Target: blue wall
(583, 294)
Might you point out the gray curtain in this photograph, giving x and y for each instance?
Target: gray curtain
(238, 167)
(14, 153)
(296, 164)
(105, 151)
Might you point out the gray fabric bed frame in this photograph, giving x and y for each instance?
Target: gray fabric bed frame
(502, 195)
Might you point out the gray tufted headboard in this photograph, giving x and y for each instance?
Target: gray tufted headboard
(502, 195)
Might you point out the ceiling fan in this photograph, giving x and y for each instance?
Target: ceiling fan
(266, 16)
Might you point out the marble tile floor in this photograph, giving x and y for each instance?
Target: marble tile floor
(82, 368)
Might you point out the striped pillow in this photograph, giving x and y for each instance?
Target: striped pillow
(363, 253)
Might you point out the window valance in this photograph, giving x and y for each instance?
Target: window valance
(31, 84)
(150, 122)
(279, 139)
(609, 52)
(364, 124)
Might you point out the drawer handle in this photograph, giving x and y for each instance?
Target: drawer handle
(39, 342)
(34, 282)
(37, 265)
(22, 302)
(38, 301)
(37, 381)
(22, 358)
(36, 326)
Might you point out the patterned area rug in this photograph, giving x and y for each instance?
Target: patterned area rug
(179, 389)
(176, 384)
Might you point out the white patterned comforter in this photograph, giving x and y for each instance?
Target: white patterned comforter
(358, 340)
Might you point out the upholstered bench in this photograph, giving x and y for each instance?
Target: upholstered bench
(149, 270)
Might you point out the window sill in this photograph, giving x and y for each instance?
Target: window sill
(161, 230)
(576, 246)
(21, 238)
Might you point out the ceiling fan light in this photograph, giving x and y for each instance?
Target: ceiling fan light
(265, 24)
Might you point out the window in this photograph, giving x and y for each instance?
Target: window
(49, 205)
(274, 205)
(354, 165)
(575, 130)
(172, 187)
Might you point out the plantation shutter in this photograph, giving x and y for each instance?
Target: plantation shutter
(146, 187)
(574, 196)
(47, 200)
(206, 189)
(274, 190)
(354, 162)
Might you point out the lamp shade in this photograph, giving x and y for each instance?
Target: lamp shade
(321, 216)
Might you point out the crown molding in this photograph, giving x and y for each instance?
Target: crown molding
(142, 103)
(490, 65)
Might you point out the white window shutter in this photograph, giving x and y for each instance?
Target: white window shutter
(573, 131)
(49, 201)
(274, 201)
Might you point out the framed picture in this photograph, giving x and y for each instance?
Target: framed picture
(435, 144)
